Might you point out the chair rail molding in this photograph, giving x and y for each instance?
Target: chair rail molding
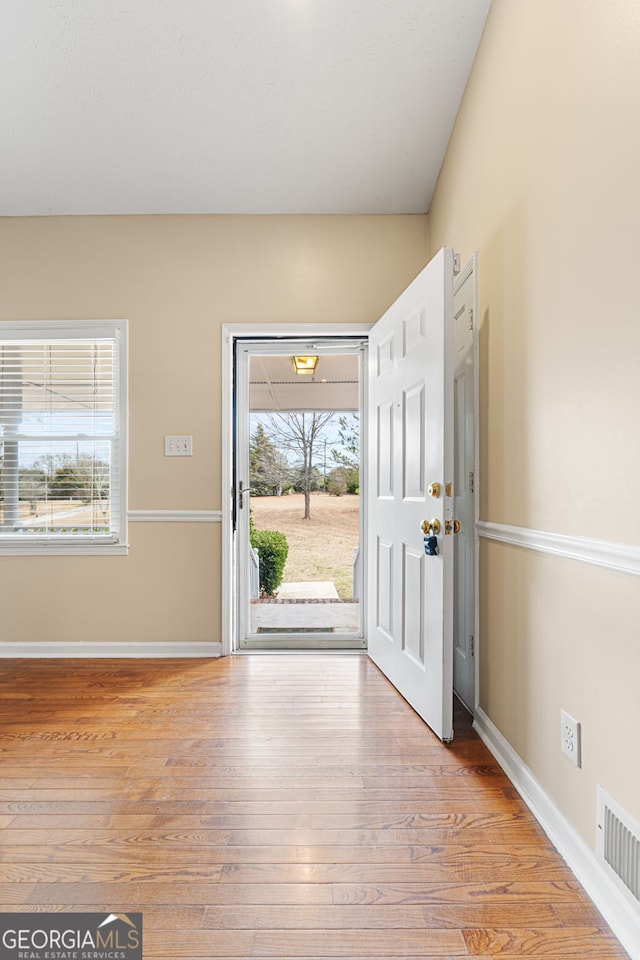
(174, 516)
(622, 557)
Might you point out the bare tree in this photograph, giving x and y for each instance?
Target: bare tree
(32, 486)
(298, 433)
(269, 469)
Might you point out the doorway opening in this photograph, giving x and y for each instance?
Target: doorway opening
(418, 410)
(299, 521)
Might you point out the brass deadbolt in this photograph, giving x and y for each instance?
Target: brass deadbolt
(434, 490)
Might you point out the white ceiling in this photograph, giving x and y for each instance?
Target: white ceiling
(275, 386)
(229, 106)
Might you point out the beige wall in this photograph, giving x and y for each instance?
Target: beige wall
(177, 280)
(541, 178)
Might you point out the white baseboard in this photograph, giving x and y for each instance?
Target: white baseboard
(109, 650)
(624, 922)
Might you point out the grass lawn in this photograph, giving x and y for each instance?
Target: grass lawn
(320, 548)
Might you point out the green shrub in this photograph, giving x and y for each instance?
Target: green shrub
(272, 549)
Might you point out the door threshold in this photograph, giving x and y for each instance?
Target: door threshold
(298, 651)
(296, 643)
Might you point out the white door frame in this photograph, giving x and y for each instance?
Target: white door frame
(259, 331)
(470, 268)
(472, 264)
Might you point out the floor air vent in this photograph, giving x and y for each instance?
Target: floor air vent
(619, 843)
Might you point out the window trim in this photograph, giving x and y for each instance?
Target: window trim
(79, 329)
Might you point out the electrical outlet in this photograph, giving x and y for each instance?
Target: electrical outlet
(178, 446)
(570, 738)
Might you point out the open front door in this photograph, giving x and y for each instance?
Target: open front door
(410, 595)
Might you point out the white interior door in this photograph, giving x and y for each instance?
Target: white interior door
(411, 437)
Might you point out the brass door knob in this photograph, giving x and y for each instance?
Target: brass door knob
(430, 527)
(434, 490)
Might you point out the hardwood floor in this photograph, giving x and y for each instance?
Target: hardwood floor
(271, 806)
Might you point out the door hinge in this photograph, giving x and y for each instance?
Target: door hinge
(457, 264)
(472, 481)
(470, 318)
(472, 647)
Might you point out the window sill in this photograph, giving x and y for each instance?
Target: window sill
(63, 549)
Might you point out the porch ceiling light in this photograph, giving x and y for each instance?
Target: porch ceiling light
(304, 365)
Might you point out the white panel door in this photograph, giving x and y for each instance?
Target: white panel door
(410, 595)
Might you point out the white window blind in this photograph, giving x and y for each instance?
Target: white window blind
(61, 434)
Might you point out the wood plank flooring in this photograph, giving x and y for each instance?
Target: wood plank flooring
(271, 806)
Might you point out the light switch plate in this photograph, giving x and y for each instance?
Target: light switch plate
(178, 446)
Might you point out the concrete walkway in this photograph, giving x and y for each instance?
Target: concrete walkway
(296, 614)
(312, 590)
